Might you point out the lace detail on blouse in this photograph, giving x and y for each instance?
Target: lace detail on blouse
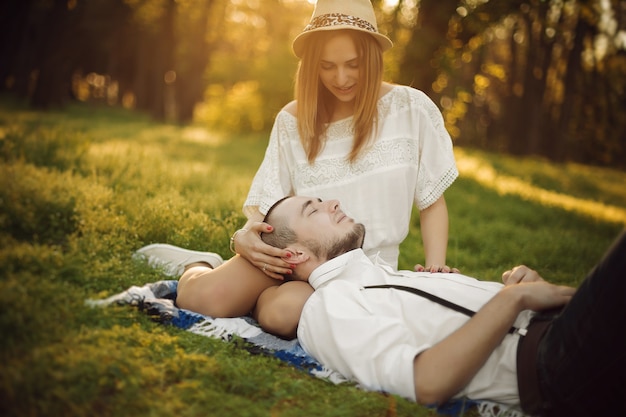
(379, 156)
(411, 137)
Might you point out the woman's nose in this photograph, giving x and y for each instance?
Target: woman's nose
(341, 76)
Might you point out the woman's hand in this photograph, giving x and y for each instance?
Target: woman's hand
(435, 268)
(268, 259)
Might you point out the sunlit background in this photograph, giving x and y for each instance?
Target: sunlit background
(525, 77)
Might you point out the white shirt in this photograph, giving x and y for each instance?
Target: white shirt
(372, 335)
(410, 162)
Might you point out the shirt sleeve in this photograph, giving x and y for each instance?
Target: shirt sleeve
(437, 165)
(272, 180)
(374, 350)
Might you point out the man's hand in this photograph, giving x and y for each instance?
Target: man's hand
(540, 295)
(469, 347)
(520, 274)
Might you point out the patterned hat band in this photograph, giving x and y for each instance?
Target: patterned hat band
(339, 19)
(330, 15)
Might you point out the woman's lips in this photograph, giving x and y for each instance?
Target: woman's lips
(344, 90)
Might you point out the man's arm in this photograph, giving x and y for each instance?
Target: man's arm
(443, 370)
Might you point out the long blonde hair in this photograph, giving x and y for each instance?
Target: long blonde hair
(316, 104)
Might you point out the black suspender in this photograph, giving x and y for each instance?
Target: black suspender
(433, 298)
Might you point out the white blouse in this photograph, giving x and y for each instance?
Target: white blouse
(409, 162)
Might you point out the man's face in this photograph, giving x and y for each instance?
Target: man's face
(322, 225)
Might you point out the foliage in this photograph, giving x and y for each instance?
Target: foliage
(68, 231)
(529, 77)
(43, 147)
(33, 214)
(526, 77)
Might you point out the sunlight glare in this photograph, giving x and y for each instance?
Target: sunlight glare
(201, 135)
(387, 3)
(483, 173)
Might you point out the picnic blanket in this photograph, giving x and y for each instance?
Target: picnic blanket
(157, 300)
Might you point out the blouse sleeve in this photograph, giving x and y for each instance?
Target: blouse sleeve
(272, 180)
(437, 166)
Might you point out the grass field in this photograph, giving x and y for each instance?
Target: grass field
(81, 189)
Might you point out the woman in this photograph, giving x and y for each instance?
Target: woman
(379, 147)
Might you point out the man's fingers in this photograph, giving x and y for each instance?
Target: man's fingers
(519, 274)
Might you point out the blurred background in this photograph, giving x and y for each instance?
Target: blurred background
(532, 77)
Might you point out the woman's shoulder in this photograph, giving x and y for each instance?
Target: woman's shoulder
(403, 96)
(386, 88)
(290, 108)
(285, 122)
(395, 90)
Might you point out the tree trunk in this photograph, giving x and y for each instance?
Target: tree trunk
(526, 129)
(55, 57)
(190, 81)
(418, 67)
(568, 121)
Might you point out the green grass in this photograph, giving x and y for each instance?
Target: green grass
(81, 189)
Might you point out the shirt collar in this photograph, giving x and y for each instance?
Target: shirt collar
(331, 269)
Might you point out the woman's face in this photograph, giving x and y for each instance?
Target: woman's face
(339, 68)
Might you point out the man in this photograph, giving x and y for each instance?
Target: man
(431, 347)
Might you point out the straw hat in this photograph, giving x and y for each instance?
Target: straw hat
(341, 14)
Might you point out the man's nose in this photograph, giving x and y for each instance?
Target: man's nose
(333, 205)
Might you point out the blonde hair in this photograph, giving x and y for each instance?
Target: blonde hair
(315, 102)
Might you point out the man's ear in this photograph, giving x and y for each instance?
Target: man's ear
(297, 256)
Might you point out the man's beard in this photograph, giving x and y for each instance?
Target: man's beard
(353, 240)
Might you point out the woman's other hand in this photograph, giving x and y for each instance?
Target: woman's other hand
(435, 268)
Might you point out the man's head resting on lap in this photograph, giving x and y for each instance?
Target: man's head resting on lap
(314, 231)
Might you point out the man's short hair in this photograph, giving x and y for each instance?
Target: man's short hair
(283, 235)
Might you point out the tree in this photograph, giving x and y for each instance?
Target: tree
(532, 78)
(42, 64)
(541, 77)
(419, 65)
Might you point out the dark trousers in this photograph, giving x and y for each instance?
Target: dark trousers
(581, 359)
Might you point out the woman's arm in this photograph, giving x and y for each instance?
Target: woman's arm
(434, 229)
(271, 182)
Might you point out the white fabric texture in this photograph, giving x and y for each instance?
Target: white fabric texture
(411, 162)
(373, 335)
